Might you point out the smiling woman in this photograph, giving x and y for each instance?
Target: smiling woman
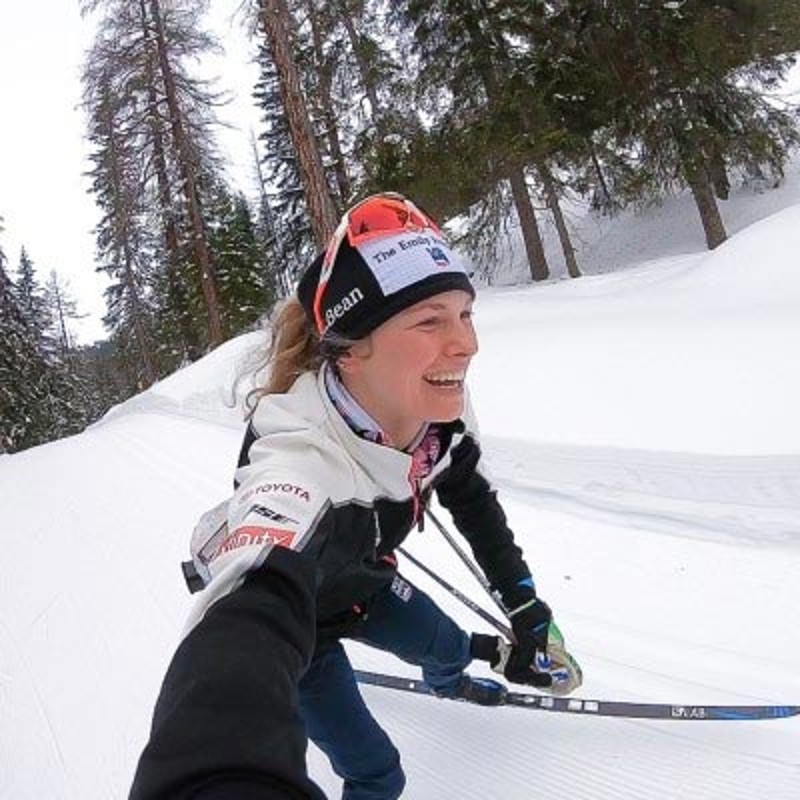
(364, 417)
(411, 369)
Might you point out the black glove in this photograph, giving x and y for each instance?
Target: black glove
(517, 662)
(530, 623)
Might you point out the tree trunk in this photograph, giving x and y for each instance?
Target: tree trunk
(66, 345)
(601, 178)
(713, 226)
(324, 68)
(527, 220)
(148, 367)
(551, 196)
(200, 246)
(175, 292)
(277, 25)
(719, 175)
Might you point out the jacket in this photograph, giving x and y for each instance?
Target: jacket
(294, 557)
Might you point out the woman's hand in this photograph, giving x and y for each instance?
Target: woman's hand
(538, 657)
(530, 623)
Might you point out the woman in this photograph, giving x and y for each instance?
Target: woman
(363, 418)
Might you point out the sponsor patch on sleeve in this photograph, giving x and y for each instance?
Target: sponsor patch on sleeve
(247, 535)
(267, 514)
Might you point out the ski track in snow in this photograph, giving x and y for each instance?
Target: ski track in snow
(752, 500)
(488, 753)
(522, 754)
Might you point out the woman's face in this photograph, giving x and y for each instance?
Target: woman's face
(411, 369)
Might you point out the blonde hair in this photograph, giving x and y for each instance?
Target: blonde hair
(295, 348)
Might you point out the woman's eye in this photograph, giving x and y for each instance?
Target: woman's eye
(430, 322)
(467, 316)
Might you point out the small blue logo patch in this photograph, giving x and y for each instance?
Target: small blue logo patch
(543, 661)
(439, 256)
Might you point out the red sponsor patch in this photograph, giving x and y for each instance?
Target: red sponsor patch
(248, 535)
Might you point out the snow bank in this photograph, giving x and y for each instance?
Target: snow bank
(213, 388)
(694, 354)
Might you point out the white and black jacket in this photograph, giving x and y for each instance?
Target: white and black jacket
(308, 541)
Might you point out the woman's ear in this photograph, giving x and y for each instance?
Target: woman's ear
(349, 363)
(344, 363)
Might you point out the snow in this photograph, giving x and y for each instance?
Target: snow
(690, 354)
(643, 431)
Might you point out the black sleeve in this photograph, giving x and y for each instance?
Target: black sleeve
(478, 515)
(226, 723)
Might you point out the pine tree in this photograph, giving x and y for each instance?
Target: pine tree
(177, 330)
(463, 47)
(30, 295)
(283, 207)
(151, 122)
(40, 399)
(319, 53)
(62, 308)
(15, 354)
(679, 85)
(124, 246)
(244, 282)
(188, 154)
(266, 235)
(20, 370)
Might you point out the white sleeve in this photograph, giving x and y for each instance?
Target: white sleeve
(274, 506)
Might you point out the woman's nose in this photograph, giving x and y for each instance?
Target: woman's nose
(463, 341)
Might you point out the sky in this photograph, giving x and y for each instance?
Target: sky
(44, 199)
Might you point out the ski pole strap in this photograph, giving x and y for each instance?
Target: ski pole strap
(516, 610)
(471, 604)
(471, 566)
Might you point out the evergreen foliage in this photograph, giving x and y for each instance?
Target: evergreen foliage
(30, 296)
(171, 239)
(471, 78)
(243, 274)
(42, 392)
(675, 91)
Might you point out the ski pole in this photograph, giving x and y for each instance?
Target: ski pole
(471, 604)
(479, 576)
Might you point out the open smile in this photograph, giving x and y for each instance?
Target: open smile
(445, 380)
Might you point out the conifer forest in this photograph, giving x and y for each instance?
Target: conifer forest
(485, 110)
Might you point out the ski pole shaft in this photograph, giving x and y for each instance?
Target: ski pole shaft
(479, 576)
(473, 606)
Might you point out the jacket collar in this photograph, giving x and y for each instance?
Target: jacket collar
(353, 413)
(307, 410)
(386, 466)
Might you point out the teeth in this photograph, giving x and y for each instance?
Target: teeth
(445, 377)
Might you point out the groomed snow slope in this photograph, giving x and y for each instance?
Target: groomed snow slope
(644, 433)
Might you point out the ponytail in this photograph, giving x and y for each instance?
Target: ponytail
(294, 349)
